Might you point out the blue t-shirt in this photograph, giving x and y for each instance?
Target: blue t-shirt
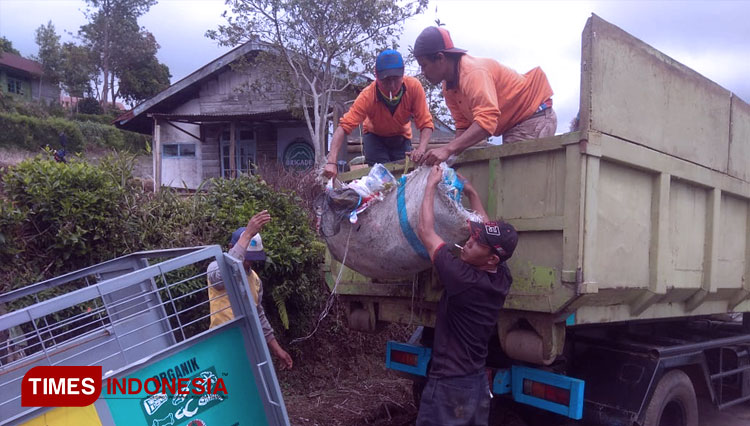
(467, 314)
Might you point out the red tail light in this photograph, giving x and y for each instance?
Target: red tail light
(404, 358)
(546, 392)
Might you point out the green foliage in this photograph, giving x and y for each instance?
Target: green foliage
(143, 78)
(96, 118)
(291, 275)
(77, 70)
(32, 133)
(280, 302)
(115, 39)
(73, 210)
(89, 106)
(56, 218)
(13, 104)
(50, 53)
(10, 229)
(7, 46)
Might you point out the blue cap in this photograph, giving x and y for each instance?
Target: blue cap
(254, 248)
(389, 63)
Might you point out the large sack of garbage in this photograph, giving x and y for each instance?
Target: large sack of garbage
(373, 221)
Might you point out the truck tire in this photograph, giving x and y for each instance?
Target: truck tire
(673, 402)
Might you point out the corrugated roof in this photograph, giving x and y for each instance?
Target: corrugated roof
(208, 118)
(136, 119)
(14, 61)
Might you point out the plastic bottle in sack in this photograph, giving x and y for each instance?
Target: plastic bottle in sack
(379, 177)
(373, 184)
(453, 184)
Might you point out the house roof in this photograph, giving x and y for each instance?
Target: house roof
(279, 115)
(138, 119)
(16, 62)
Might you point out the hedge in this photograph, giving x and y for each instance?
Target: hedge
(56, 218)
(33, 133)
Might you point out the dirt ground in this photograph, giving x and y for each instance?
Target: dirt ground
(339, 378)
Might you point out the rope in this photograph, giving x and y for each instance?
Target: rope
(403, 220)
(332, 296)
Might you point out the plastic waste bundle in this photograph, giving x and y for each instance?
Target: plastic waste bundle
(377, 180)
(383, 242)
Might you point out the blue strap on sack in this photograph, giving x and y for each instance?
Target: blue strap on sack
(403, 220)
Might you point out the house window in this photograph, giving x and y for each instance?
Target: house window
(244, 154)
(15, 86)
(179, 150)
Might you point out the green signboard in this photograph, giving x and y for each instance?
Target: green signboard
(299, 155)
(220, 360)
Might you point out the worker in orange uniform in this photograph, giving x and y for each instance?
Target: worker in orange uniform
(386, 107)
(484, 97)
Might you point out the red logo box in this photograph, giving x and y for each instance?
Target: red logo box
(61, 386)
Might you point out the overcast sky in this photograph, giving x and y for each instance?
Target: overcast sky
(711, 37)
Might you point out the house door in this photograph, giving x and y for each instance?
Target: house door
(244, 154)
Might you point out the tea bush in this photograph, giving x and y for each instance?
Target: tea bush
(56, 218)
(291, 274)
(32, 133)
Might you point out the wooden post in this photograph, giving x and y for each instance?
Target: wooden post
(232, 146)
(157, 155)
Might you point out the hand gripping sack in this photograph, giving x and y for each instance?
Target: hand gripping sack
(384, 243)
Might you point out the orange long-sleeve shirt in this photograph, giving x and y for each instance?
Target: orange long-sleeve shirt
(378, 119)
(493, 95)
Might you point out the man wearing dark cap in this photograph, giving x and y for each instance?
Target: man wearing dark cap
(386, 107)
(484, 97)
(247, 245)
(475, 286)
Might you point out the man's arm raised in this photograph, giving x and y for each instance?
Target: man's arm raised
(426, 229)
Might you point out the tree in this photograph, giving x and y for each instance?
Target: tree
(89, 106)
(78, 70)
(140, 74)
(50, 53)
(313, 46)
(143, 81)
(7, 46)
(113, 24)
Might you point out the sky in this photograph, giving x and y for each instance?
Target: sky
(711, 37)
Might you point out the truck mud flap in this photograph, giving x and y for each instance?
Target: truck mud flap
(548, 391)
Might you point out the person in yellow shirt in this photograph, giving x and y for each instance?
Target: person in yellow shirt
(485, 98)
(247, 245)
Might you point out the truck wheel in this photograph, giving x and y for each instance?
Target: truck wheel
(673, 403)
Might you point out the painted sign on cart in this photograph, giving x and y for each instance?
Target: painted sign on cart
(215, 387)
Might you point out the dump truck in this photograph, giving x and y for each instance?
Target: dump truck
(142, 319)
(630, 290)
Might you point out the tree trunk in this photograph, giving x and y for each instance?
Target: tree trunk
(105, 55)
(105, 86)
(112, 87)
